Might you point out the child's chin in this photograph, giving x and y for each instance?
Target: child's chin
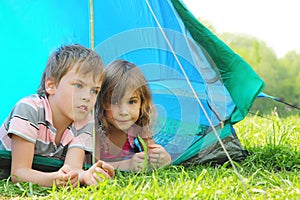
(80, 118)
(123, 128)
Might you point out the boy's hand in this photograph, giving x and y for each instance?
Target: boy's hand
(66, 177)
(98, 172)
(110, 170)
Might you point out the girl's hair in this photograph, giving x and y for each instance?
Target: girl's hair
(122, 76)
(65, 59)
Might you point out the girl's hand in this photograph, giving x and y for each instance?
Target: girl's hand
(65, 177)
(158, 156)
(137, 162)
(98, 172)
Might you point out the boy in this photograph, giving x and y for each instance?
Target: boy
(57, 120)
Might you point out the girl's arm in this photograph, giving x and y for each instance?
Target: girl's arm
(157, 157)
(134, 164)
(21, 166)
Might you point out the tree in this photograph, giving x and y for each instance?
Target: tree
(280, 75)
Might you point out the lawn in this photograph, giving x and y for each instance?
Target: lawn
(270, 172)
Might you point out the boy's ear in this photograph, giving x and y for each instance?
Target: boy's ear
(50, 86)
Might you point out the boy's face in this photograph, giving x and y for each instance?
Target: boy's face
(124, 113)
(75, 95)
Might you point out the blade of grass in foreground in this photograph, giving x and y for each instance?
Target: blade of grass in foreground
(145, 148)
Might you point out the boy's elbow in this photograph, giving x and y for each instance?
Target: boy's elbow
(15, 175)
(14, 178)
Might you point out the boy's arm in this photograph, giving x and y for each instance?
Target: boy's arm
(21, 166)
(100, 170)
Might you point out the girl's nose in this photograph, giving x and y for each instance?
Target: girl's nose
(123, 109)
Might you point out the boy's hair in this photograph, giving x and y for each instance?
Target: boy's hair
(65, 59)
(121, 76)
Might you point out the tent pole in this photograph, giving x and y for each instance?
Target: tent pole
(92, 25)
(96, 151)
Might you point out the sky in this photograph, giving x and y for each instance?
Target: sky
(276, 22)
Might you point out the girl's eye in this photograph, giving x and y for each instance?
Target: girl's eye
(114, 102)
(77, 85)
(132, 101)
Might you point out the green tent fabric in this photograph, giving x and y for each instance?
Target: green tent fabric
(207, 149)
(39, 163)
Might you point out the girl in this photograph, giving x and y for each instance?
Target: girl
(123, 112)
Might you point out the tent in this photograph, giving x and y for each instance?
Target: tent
(199, 85)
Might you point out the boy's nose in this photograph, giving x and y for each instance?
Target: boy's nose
(85, 96)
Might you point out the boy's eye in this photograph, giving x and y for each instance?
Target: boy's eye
(95, 91)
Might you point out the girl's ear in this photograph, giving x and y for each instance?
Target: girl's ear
(50, 86)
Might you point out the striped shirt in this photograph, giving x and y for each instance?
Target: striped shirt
(31, 119)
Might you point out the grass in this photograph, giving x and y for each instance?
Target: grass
(270, 172)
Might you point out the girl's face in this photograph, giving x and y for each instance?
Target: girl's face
(124, 113)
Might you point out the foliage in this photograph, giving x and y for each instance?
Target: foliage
(279, 74)
(270, 172)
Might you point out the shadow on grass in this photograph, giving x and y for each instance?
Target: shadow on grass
(273, 158)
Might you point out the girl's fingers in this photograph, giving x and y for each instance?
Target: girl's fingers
(152, 146)
(155, 161)
(157, 155)
(138, 157)
(159, 159)
(155, 148)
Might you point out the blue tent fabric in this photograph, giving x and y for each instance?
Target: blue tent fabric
(151, 52)
(30, 31)
(172, 48)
